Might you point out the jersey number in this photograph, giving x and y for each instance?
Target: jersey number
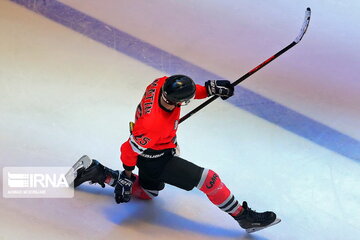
(142, 140)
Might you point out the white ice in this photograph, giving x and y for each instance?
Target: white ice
(63, 95)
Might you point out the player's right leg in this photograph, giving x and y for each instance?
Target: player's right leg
(98, 173)
(147, 184)
(150, 165)
(145, 188)
(90, 170)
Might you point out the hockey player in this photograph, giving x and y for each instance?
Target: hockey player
(152, 147)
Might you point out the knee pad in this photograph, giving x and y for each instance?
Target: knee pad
(210, 183)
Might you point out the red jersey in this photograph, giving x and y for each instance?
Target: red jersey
(155, 127)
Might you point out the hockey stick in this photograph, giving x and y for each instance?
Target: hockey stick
(297, 39)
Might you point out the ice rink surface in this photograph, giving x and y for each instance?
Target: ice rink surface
(73, 71)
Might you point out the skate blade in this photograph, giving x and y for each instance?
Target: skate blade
(255, 229)
(83, 162)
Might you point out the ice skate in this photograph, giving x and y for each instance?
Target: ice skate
(89, 170)
(252, 221)
(84, 162)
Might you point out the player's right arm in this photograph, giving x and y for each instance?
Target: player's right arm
(141, 138)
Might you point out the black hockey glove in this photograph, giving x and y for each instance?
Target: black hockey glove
(221, 88)
(123, 187)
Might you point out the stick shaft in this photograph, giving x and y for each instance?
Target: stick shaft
(254, 70)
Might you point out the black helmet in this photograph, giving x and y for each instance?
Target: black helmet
(178, 89)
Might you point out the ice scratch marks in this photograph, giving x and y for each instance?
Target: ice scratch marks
(171, 64)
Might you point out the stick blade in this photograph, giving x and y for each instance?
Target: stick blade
(304, 26)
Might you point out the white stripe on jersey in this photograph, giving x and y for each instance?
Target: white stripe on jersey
(136, 147)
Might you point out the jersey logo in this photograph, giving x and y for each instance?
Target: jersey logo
(212, 181)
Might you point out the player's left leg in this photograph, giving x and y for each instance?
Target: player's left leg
(186, 175)
(217, 192)
(181, 173)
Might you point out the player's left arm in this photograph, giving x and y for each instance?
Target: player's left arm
(201, 92)
(221, 88)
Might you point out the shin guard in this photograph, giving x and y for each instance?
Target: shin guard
(217, 192)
